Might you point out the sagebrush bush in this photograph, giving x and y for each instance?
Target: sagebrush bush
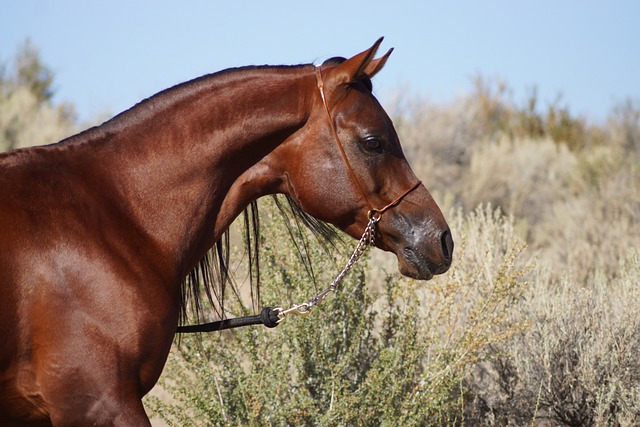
(25, 121)
(577, 363)
(575, 204)
(594, 228)
(523, 177)
(362, 358)
(27, 115)
(623, 125)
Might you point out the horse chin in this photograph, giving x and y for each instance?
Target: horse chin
(413, 264)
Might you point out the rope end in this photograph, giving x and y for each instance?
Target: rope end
(270, 317)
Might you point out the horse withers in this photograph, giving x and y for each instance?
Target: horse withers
(99, 231)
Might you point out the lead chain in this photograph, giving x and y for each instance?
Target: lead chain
(367, 240)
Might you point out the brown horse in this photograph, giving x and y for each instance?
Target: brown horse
(98, 232)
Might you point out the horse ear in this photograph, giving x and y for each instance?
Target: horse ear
(377, 64)
(361, 65)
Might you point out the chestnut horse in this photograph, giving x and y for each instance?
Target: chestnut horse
(98, 232)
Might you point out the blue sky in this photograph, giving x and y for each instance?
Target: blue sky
(108, 55)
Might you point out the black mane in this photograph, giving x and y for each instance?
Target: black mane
(212, 276)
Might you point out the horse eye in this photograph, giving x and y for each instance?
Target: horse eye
(372, 144)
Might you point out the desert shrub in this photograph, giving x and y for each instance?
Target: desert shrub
(594, 228)
(501, 114)
(577, 210)
(523, 177)
(575, 204)
(445, 134)
(27, 115)
(25, 121)
(577, 364)
(362, 358)
(623, 126)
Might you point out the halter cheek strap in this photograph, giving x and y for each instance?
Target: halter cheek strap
(373, 214)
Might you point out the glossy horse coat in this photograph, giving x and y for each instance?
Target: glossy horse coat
(98, 232)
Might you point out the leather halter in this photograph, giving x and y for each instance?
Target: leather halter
(272, 317)
(373, 213)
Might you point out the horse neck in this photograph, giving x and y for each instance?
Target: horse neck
(178, 159)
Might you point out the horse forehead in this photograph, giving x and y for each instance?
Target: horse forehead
(364, 110)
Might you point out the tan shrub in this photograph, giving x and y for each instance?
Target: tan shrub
(578, 362)
(523, 177)
(25, 121)
(594, 228)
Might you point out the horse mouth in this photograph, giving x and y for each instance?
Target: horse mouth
(414, 265)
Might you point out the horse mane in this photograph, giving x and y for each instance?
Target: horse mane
(212, 276)
(209, 280)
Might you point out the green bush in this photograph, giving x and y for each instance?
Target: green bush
(395, 357)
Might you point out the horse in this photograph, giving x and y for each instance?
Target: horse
(99, 231)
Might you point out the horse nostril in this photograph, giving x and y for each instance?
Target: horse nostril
(447, 246)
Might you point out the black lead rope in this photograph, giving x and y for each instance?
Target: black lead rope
(267, 317)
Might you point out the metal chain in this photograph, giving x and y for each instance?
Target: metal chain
(367, 240)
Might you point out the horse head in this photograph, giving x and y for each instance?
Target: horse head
(347, 165)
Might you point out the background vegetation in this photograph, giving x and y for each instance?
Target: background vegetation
(535, 324)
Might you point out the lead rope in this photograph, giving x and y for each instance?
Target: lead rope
(272, 317)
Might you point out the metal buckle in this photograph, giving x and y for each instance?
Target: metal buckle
(303, 309)
(374, 215)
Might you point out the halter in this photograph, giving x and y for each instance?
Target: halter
(373, 212)
(271, 317)
(368, 236)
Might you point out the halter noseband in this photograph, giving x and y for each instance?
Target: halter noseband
(373, 213)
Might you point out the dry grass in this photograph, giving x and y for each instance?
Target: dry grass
(577, 362)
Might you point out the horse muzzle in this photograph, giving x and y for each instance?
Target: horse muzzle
(422, 262)
(424, 247)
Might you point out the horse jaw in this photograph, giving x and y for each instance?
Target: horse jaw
(412, 264)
